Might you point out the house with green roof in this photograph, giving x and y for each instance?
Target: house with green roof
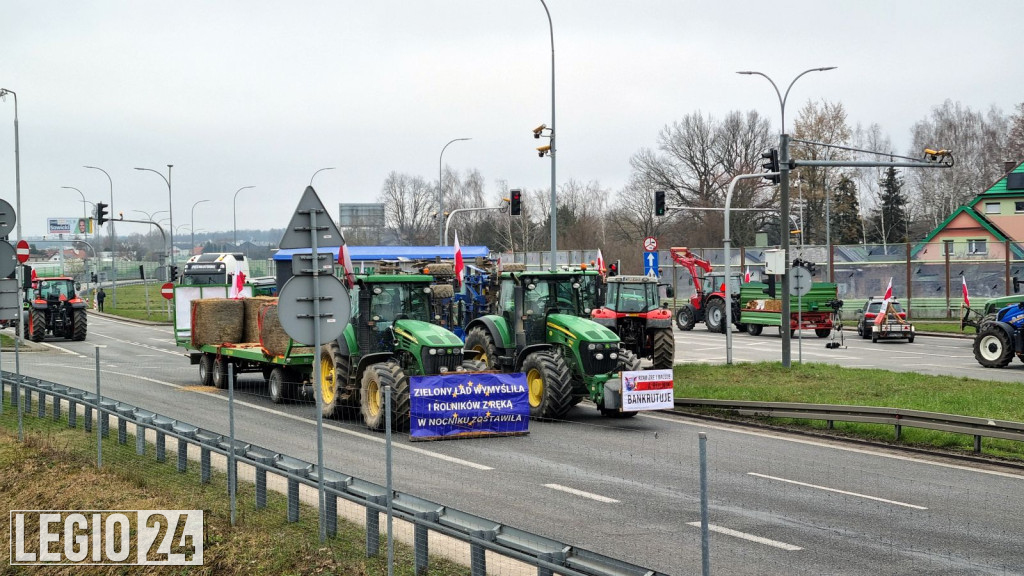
(984, 228)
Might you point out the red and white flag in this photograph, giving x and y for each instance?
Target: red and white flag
(346, 262)
(237, 286)
(888, 291)
(746, 276)
(459, 265)
(600, 262)
(967, 299)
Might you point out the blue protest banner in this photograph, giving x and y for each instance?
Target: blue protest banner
(468, 404)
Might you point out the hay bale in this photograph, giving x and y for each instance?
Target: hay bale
(251, 329)
(773, 305)
(273, 338)
(513, 267)
(441, 291)
(217, 321)
(441, 269)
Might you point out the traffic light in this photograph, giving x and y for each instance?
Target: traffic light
(613, 268)
(772, 165)
(659, 202)
(101, 214)
(174, 273)
(515, 203)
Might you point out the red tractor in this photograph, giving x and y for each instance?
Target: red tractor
(632, 310)
(707, 305)
(55, 308)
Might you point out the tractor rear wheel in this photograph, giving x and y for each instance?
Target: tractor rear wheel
(754, 329)
(686, 318)
(664, 348)
(985, 320)
(992, 347)
(80, 323)
(334, 369)
(550, 385)
(37, 327)
(479, 340)
(715, 318)
(371, 396)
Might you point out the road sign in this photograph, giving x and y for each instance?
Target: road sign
(799, 281)
(22, 251)
(295, 308)
(651, 264)
(9, 305)
(7, 260)
(650, 244)
(167, 290)
(7, 218)
(297, 235)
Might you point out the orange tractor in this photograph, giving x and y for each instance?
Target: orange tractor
(707, 305)
(54, 307)
(632, 310)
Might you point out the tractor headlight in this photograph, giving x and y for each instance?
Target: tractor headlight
(591, 346)
(613, 356)
(443, 369)
(599, 356)
(432, 351)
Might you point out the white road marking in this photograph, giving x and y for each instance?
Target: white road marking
(61, 348)
(174, 352)
(590, 495)
(736, 430)
(367, 437)
(750, 537)
(837, 491)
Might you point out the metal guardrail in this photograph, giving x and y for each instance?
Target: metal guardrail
(547, 555)
(897, 417)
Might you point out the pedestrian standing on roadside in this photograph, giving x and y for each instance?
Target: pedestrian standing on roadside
(100, 297)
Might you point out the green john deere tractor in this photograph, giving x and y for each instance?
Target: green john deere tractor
(542, 328)
(389, 339)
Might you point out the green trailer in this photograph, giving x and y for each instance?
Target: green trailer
(812, 311)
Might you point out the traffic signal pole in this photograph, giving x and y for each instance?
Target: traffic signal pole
(784, 233)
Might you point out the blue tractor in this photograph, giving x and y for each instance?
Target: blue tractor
(1001, 339)
(456, 309)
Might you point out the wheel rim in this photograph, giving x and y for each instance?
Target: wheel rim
(990, 347)
(483, 353)
(327, 380)
(373, 401)
(536, 383)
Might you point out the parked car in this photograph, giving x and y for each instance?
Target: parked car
(871, 309)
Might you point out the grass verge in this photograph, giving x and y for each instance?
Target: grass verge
(55, 469)
(829, 384)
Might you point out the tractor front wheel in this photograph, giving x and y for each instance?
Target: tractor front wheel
(686, 318)
(550, 385)
(371, 396)
(664, 346)
(715, 318)
(478, 339)
(992, 347)
(334, 368)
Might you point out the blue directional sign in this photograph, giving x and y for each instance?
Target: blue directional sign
(650, 263)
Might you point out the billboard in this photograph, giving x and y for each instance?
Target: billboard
(69, 226)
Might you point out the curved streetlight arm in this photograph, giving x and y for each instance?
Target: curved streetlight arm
(440, 188)
(314, 175)
(448, 220)
(234, 224)
(784, 97)
(170, 206)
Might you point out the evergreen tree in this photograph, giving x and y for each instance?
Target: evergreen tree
(846, 226)
(890, 218)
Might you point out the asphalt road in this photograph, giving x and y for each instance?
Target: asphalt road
(630, 488)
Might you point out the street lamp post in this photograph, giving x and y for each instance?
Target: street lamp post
(554, 205)
(192, 224)
(784, 208)
(113, 237)
(17, 159)
(442, 240)
(234, 222)
(170, 208)
(317, 172)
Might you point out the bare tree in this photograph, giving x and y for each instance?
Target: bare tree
(1015, 141)
(824, 122)
(410, 208)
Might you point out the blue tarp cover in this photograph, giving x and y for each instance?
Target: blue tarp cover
(362, 253)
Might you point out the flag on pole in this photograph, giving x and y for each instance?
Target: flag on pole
(888, 291)
(967, 299)
(237, 286)
(345, 259)
(746, 276)
(600, 262)
(459, 266)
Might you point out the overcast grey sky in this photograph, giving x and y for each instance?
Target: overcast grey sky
(265, 93)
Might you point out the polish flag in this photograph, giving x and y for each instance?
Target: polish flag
(746, 276)
(888, 291)
(459, 266)
(345, 259)
(499, 265)
(967, 299)
(237, 286)
(600, 262)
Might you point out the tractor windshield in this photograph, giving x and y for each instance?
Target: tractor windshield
(560, 294)
(392, 302)
(638, 297)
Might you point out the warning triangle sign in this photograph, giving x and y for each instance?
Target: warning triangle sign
(298, 235)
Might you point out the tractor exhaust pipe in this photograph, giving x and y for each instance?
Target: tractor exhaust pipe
(519, 306)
